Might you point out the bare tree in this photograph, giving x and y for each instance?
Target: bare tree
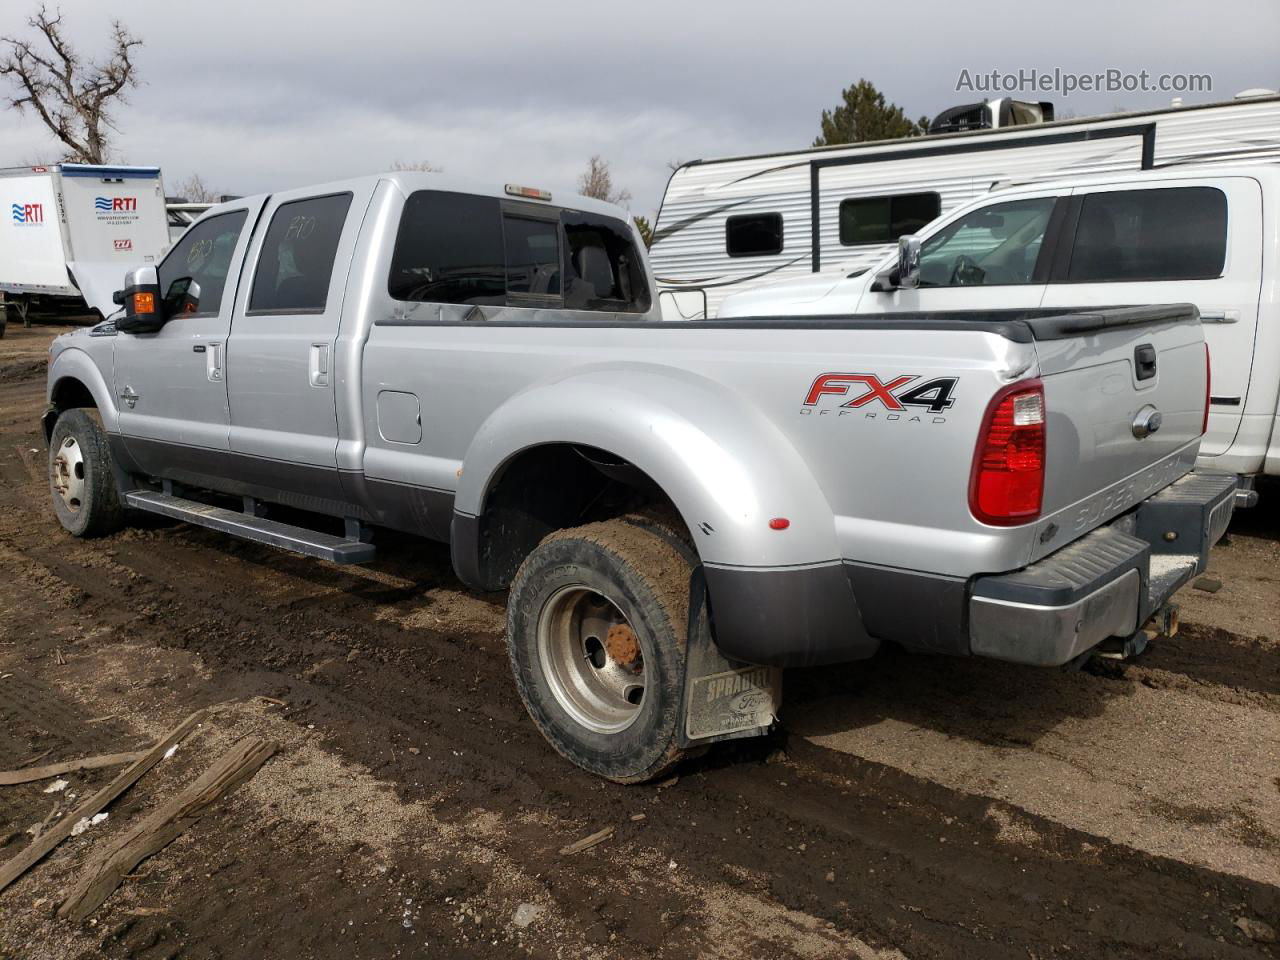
(72, 96)
(597, 182)
(420, 166)
(194, 190)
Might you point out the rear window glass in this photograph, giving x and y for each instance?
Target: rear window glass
(603, 271)
(885, 219)
(533, 256)
(203, 254)
(449, 250)
(1174, 234)
(753, 234)
(297, 255)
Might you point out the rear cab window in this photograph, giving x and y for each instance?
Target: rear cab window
(532, 249)
(457, 248)
(449, 250)
(295, 264)
(604, 270)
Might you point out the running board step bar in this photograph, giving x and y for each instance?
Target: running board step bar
(248, 527)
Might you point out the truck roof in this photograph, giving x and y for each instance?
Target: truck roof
(1266, 171)
(409, 181)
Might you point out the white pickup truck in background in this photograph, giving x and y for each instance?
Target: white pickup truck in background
(1207, 235)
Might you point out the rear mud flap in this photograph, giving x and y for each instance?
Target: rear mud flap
(724, 699)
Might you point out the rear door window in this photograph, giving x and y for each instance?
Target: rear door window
(449, 250)
(203, 254)
(603, 270)
(296, 261)
(1179, 233)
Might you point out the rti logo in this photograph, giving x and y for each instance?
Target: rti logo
(28, 214)
(123, 244)
(107, 205)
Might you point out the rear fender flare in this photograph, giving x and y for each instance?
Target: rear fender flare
(728, 469)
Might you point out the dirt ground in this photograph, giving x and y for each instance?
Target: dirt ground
(908, 806)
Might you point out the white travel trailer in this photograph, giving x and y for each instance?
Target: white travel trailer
(728, 225)
(71, 230)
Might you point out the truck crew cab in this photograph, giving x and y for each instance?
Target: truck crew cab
(678, 510)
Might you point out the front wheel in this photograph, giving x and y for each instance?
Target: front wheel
(596, 629)
(85, 496)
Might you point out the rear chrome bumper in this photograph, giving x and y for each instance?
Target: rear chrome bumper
(1107, 583)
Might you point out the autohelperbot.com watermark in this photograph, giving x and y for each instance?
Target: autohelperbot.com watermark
(1066, 82)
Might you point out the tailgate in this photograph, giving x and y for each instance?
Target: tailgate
(1107, 374)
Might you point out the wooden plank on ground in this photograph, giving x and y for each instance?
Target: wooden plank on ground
(9, 777)
(106, 871)
(586, 843)
(41, 846)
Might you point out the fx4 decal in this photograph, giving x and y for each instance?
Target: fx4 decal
(933, 395)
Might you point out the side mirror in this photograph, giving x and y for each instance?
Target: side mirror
(909, 261)
(183, 296)
(141, 300)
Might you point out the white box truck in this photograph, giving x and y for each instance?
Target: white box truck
(71, 230)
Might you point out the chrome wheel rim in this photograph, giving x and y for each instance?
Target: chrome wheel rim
(68, 473)
(592, 659)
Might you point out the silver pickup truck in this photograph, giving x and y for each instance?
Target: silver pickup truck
(677, 509)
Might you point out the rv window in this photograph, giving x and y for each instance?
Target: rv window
(991, 246)
(1174, 234)
(885, 219)
(297, 255)
(204, 254)
(449, 250)
(603, 271)
(753, 235)
(533, 257)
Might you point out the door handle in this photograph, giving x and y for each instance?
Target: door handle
(1221, 316)
(213, 362)
(319, 366)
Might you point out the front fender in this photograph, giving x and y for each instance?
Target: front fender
(727, 468)
(74, 364)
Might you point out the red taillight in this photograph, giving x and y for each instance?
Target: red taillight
(1008, 467)
(1204, 426)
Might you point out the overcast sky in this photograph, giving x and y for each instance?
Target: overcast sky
(256, 95)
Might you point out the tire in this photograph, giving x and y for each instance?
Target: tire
(81, 483)
(578, 686)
